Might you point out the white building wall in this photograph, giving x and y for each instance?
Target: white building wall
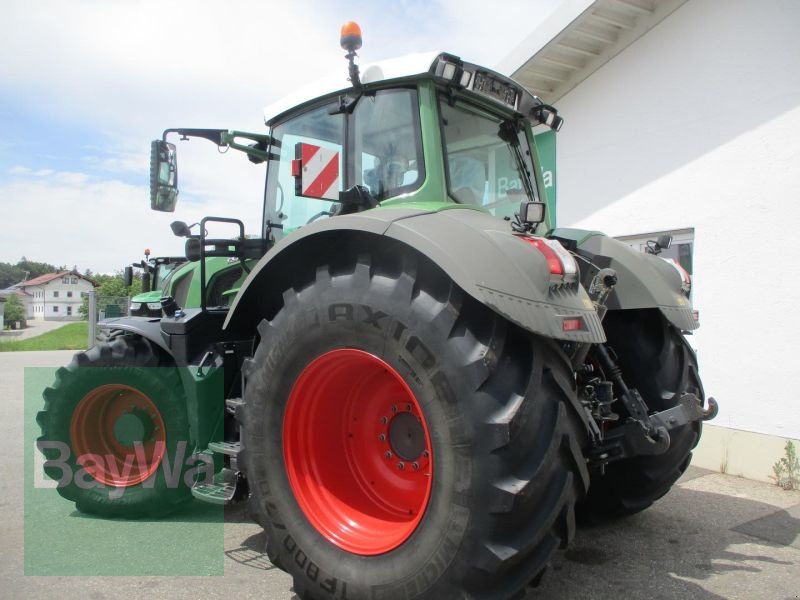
(55, 293)
(697, 124)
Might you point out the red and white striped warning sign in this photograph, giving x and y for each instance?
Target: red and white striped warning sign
(317, 170)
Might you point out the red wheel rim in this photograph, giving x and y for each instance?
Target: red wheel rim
(357, 452)
(118, 435)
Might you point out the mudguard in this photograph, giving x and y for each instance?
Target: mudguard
(477, 251)
(644, 280)
(149, 329)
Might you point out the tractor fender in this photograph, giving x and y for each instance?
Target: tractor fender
(644, 280)
(477, 251)
(149, 329)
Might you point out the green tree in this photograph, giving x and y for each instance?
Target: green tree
(33, 268)
(111, 289)
(9, 275)
(24, 269)
(14, 310)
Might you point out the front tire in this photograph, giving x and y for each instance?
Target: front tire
(656, 360)
(111, 421)
(488, 417)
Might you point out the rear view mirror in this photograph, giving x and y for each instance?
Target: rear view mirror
(163, 176)
(127, 276)
(180, 229)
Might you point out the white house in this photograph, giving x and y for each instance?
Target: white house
(684, 117)
(54, 296)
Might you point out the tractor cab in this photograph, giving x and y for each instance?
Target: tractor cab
(425, 130)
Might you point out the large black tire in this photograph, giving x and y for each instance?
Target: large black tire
(505, 435)
(92, 390)
(656, 360)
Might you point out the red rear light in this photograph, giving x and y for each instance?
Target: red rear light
(572, 324)
(552, 258)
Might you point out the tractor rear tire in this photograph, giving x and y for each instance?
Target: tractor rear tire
(111, 401)
(656, 360)
(404, 441)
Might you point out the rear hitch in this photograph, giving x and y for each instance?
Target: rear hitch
(712, 410)
(643, 434)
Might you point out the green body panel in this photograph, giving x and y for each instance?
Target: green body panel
(472, 247)
(151, 296)
(214, 267)
(644, 280)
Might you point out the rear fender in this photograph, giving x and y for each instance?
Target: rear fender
(644, 280)
(477, 251)
(149, 329)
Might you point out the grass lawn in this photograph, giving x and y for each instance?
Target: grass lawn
(69, 337)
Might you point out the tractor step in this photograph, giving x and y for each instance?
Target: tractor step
(232, 404)
(228, 486)
(227, 448)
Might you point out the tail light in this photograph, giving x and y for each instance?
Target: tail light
(686, 279)
(562, 265)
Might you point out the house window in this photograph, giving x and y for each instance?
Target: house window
(69, 294)
(55, 294)
(55, 309)
(69, 311)
(73, 280)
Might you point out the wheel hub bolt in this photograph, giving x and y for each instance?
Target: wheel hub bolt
(394, 408)
(384, 420)
(415, 466)
(408, 407)
(388, 454)
(425, 453)
(382, 438)
(401, 465)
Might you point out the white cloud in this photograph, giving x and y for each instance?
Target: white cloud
(73, 219)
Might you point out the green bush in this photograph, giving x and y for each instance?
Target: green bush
(787, 469)
(14, 310)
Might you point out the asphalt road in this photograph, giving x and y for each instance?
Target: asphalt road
(713, 536)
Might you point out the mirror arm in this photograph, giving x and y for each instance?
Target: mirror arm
(212, 135)
(224, 137)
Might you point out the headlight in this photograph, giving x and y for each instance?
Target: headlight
(154, 305)
(136, 305)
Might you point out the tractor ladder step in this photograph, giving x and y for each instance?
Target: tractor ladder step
(228, 486)
(227, 448)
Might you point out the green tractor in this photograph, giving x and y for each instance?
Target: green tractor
(421, 383)
(155, 272)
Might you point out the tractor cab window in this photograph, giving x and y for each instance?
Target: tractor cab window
(315, 132)
(313, 164)
(163, 271)
(387, 149)
(483, 168)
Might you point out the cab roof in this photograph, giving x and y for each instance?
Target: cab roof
(409, 65)
(442, 66)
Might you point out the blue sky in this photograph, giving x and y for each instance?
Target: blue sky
(86, 84)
